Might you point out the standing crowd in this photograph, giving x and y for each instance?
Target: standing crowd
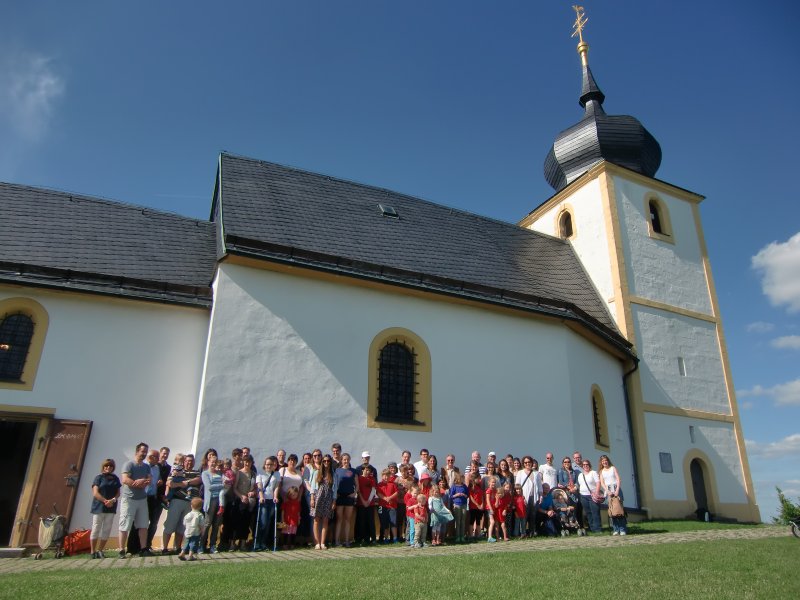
(227, 504)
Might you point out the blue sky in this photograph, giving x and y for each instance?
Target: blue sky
(453, 101)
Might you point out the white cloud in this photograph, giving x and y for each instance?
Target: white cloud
(791, 342)
(779, 264)
(784, 394)
(785, 448)
(760, 327)
(29, 89)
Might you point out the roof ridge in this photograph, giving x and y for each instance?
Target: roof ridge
(395, 192)
(101, 200)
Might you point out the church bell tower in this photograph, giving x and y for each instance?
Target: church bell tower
(641, 242)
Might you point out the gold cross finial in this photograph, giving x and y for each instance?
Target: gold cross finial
(580, 22)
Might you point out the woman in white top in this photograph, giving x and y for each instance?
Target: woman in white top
(588, 481)
(611, 484)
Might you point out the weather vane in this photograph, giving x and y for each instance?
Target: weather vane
(580, 22)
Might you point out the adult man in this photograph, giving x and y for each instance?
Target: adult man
(154, 507)
(405, 459)
(531, 484)
(476, 457)
(549, 516)
(577, 460)
(449, 470)
(136, 476)
(548, 471)
(367, 497)
(422, 463)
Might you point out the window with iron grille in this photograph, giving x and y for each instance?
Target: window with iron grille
(16, 332)
(599, 418)
(397, 381)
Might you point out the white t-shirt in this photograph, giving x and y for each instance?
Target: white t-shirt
(588, 482)
(531, 486)
(549, 475)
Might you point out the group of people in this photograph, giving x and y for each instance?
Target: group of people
(217, 504)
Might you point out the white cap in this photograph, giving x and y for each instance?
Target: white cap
(365, 454)
(492, 453)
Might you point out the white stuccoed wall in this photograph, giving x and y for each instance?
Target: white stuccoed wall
(133, 368)
(288, 367)
(717, 440)
(658, 270)
(662, 337)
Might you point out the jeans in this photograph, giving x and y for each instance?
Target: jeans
(592, 512)
(265, 526)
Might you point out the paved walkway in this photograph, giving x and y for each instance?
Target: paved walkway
(15, 565)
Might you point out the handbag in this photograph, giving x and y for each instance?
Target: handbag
(596, 498)
(615, 507)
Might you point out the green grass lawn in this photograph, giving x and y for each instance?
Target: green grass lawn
(763, 568)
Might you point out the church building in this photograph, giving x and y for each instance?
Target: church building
(310, 309)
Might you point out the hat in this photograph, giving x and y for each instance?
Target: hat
(365, 454)
(492, 453)
(424, 476)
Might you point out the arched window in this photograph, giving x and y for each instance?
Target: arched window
(397, 381)
(16, 332)
(658, 221)
(601, 439)
(23, 326)
(399, 393)
(566, 226)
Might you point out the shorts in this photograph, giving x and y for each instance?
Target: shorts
(101, 526)
(387, 517)
(133, 514)
(177, 510)
(345, 500)
(475, 515)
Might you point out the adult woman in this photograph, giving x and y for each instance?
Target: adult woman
(611, 484)
(504, 474)
(344, 493)
(588, 482)
(213, 486)
(567, 479)
(432, 469)
(105, 491)
(244, 494)
(517, 466)
(207, 456)
(307, 469)
(322, 501)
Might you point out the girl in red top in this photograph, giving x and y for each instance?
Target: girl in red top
(420, 520)
(490, 506)
(477, 501)
(502, 505)
(291, 516)
(411, 503)
(520, 512)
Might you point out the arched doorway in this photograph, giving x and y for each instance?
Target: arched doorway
(699, 486)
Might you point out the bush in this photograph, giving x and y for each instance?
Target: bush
(789, 510)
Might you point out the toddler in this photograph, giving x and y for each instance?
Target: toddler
(420, 521)
(193, 524)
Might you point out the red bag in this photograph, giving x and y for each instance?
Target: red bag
(77, 542)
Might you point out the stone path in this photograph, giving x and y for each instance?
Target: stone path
(16, 565)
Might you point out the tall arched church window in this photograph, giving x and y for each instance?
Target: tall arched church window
(599, 421)
(16, 332)
(399, 393)
(658, 221)
(23, 325)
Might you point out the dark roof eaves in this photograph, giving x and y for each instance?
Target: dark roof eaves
(121, 287)
(417, 280)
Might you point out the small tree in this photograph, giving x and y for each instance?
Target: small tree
(789, 510)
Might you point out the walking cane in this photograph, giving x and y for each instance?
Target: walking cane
(275, 529)
(258, 522)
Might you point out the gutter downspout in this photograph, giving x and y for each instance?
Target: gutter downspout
(630, 428)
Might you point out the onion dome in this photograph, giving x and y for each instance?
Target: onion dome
(619, 139)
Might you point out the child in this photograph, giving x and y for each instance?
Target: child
(193, 524)
(520, 512)
(459, 496)
(228, 479)
(477, 501)
(411, 503)
(176, 477)
(267, 485)
(502, 502)
(440, 516)
(420, 521)
(490, 507)
(387, 507)
(566, 513)
(291, 516)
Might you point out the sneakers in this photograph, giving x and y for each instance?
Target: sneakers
(122, 554)
(144, 553)
(615, 533)
(491, 539)
(212, 550)
(623, 533)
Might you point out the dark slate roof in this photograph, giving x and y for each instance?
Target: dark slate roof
(57, 239)
(619, 139)
(289, 215)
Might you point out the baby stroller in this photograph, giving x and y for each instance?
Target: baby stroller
(52, 531)
(565, 508)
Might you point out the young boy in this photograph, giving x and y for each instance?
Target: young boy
(387, 507)
(420, 521)
(193, 524)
